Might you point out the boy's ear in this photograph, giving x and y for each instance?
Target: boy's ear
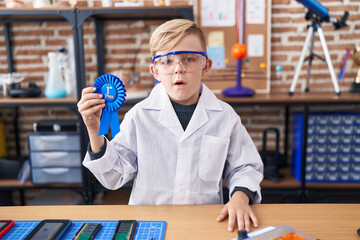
(208, 66)
(153, 71)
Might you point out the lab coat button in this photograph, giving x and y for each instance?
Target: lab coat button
(184, 145)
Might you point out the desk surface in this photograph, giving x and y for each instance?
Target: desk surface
(320, 221)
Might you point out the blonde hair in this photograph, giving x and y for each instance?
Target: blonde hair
(170, 33)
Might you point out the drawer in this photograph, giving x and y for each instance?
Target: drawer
(56, 175)
(55, 142)
(55, 159)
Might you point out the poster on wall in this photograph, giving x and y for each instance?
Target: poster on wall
(255, 11)
(216, 48)
(255, 45)
(218, 13)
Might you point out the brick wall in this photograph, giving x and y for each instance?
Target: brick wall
(127, 42)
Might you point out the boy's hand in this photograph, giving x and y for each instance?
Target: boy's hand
(90, 107)
(239, 211)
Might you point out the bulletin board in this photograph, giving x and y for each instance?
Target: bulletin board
(256, 36)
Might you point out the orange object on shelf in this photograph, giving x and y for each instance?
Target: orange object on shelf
(238, 51)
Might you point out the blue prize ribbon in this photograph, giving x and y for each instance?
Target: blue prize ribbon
(114, 93)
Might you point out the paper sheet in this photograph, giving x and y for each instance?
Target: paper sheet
(216, 39)
(255, 45)
(255, 11)
(218, 13)
(217, 55)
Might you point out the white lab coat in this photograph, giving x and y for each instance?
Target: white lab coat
(173, 166)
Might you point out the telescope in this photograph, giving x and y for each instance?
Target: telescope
(318, 14)
(317, 9)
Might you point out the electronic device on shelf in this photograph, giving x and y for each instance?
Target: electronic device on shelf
(56, 125)
(10, 78)
(17, 91)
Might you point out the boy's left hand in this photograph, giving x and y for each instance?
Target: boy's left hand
(239, 211)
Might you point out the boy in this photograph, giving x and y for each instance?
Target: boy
(177, 143)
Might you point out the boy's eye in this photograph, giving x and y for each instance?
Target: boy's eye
(189, 59)
(166, 61)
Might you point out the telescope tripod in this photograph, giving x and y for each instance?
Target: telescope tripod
(314, 27)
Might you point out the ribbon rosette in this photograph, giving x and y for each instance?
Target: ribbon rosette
(114, 93)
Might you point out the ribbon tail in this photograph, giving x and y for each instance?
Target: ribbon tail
(104, 123)
(115, 126)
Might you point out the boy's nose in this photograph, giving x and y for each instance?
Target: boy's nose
(179, 68)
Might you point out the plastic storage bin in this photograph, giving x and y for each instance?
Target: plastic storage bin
(54, 141)
(333, 149)
(56, 175)
(55, 157)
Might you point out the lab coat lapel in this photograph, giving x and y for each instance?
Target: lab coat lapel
(200, 117)
(159, 100)
(168, 118)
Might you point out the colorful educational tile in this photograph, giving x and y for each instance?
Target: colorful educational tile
(217, 55)
(218, 13)
(216, 39)
(255, 11)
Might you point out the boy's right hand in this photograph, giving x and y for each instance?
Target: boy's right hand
(90, 107)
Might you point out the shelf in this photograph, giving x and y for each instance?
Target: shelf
(65, 102)
(46, 14)
(112, 13)
(288, 181)
(332, 185)
(136, 13)
(261, 98)
(14, 183)
(298, 98)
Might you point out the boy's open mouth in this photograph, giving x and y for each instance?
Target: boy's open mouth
(179, 83)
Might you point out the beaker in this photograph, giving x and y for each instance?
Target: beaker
(55, 86)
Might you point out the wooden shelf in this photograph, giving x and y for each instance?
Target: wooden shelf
(297, 98)
(288, 181)
(38, 101)
(333, 185)
(14, 183)
(28, 9)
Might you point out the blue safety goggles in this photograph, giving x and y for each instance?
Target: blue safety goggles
(177, 53)
(190, 61)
